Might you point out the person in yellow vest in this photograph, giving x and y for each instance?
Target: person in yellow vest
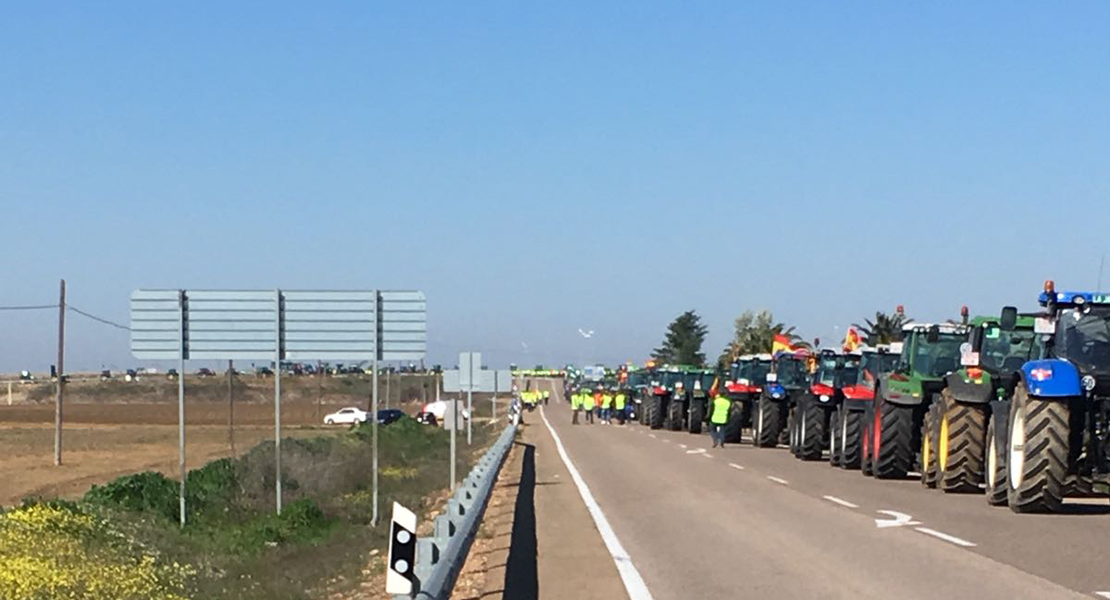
(575, 406)
(546, 396)
(619, 403)
(606, 408)
(588, 405)
(717, 420)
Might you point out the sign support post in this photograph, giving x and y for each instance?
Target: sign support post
(181, 403)
(277, 398)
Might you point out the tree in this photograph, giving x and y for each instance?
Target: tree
(755, 333)
(884, 329)
(682, 344)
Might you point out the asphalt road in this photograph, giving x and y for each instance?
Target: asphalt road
(697, 522)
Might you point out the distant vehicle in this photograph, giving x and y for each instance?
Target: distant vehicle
(171, 374)
(389, 415)
(348, 416)
(438, 408)
(131, 375)
(427, 418)
(26, 376)
(105, 375)
(205, 372)
(263, 372)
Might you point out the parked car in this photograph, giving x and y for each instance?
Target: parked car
(205, 372)
(348, 416)
(105, 375)
(171, 374)
(389, 415)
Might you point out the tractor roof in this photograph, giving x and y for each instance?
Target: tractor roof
(944, 327)
(1023, 321)
(1074, 298)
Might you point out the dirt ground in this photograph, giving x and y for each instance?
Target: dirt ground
(104, 441)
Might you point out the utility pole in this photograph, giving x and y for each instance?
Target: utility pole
(231, 407)
(388, 377)
(61, 377)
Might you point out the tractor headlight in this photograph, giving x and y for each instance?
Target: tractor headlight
(1088, 382)
(776, 395)
(824, 397)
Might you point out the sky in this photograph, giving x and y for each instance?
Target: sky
(540, 168)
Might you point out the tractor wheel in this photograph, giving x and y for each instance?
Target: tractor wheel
(735, 425)
(834, 438)
(850, 422)
(892, 443)
(792, 432)
(791, 415)
(1038, 453)
(674, 416)
(697, 416)
(766, 426)
(928, 465)
(655, 412)
(811, 430)
(961, 445)
(996, 467)
(865, 440)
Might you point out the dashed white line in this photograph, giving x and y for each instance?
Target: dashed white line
(666, 441)
(843, 503)
(944, 536)
(633, 582)
(736, 466)
(683, 446)
(1103, 594)
(707, 455)
(695, 450)
(652, 435)
(778, 480)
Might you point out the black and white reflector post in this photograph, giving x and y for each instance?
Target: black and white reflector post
(402, 551)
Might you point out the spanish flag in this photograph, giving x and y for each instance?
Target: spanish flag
(851, 340)
(781, 344)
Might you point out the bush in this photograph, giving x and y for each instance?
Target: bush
(144, 492)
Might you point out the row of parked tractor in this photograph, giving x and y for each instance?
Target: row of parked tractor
(1014, 406)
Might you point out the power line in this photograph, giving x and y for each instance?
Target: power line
(96, 318)
(38, 307)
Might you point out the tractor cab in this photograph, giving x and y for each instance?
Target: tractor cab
(789, 372)
(826, 382)
(992, 357)
(929, 353)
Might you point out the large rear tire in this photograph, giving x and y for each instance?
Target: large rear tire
(928, 459)
(996, 467)
(834, 438)
(811, 430)
(850, 424)
(961, 445)
(1038, 453)
(766, 426)
(697, 416)
(893, 441)
(734, 428)
(655, 412)
(865, 440)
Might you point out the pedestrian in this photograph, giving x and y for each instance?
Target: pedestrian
(546, 396)
(575, 406)
(606, 407)
(620, 402)
(588, 405)
(718, 419)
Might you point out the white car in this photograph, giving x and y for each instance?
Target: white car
(346, 416)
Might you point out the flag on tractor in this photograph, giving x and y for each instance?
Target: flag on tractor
(851, 340)
(781, 344)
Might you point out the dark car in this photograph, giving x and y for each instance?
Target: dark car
(389, 415)
(206, 372)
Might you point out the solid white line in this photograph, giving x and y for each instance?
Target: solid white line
(633, 582)
(944, 536)
(844, 503)
(736, 466)
(777, 480)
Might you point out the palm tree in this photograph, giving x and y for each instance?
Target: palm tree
(884, 329)
(755, 333)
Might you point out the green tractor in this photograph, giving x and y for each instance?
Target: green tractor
(954, 435)
(689, 399)
(896, 418)
(661, 389)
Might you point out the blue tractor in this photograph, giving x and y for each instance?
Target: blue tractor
(1052, 438)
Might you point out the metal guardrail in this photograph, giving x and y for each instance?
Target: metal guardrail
(440, 558)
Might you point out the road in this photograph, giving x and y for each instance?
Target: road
(698, 522)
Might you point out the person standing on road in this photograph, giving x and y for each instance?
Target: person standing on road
(620, 401)
(546, 397)
(588, 404)
(606, 408)
(575, 406)
(718, 419)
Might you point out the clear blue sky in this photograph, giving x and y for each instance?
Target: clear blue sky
(536, 169)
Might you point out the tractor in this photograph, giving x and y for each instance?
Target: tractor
(662, 389)
(738, 388)
(856, 381)
(954, 438)
(1052, 438)
(787, 378)
(892, 429)
(814, 406)
(689, 399)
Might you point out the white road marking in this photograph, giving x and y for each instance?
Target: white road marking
(948, 538)
(651, 435)
(695, 451)
(898, 519)
(683, 446)
(843, 503)
(666, 441)
(736, 466)
(1103, 594)
(633, 582)
(707, 455)
(778, 480)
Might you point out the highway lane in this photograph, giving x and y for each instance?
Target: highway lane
(699, 521)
